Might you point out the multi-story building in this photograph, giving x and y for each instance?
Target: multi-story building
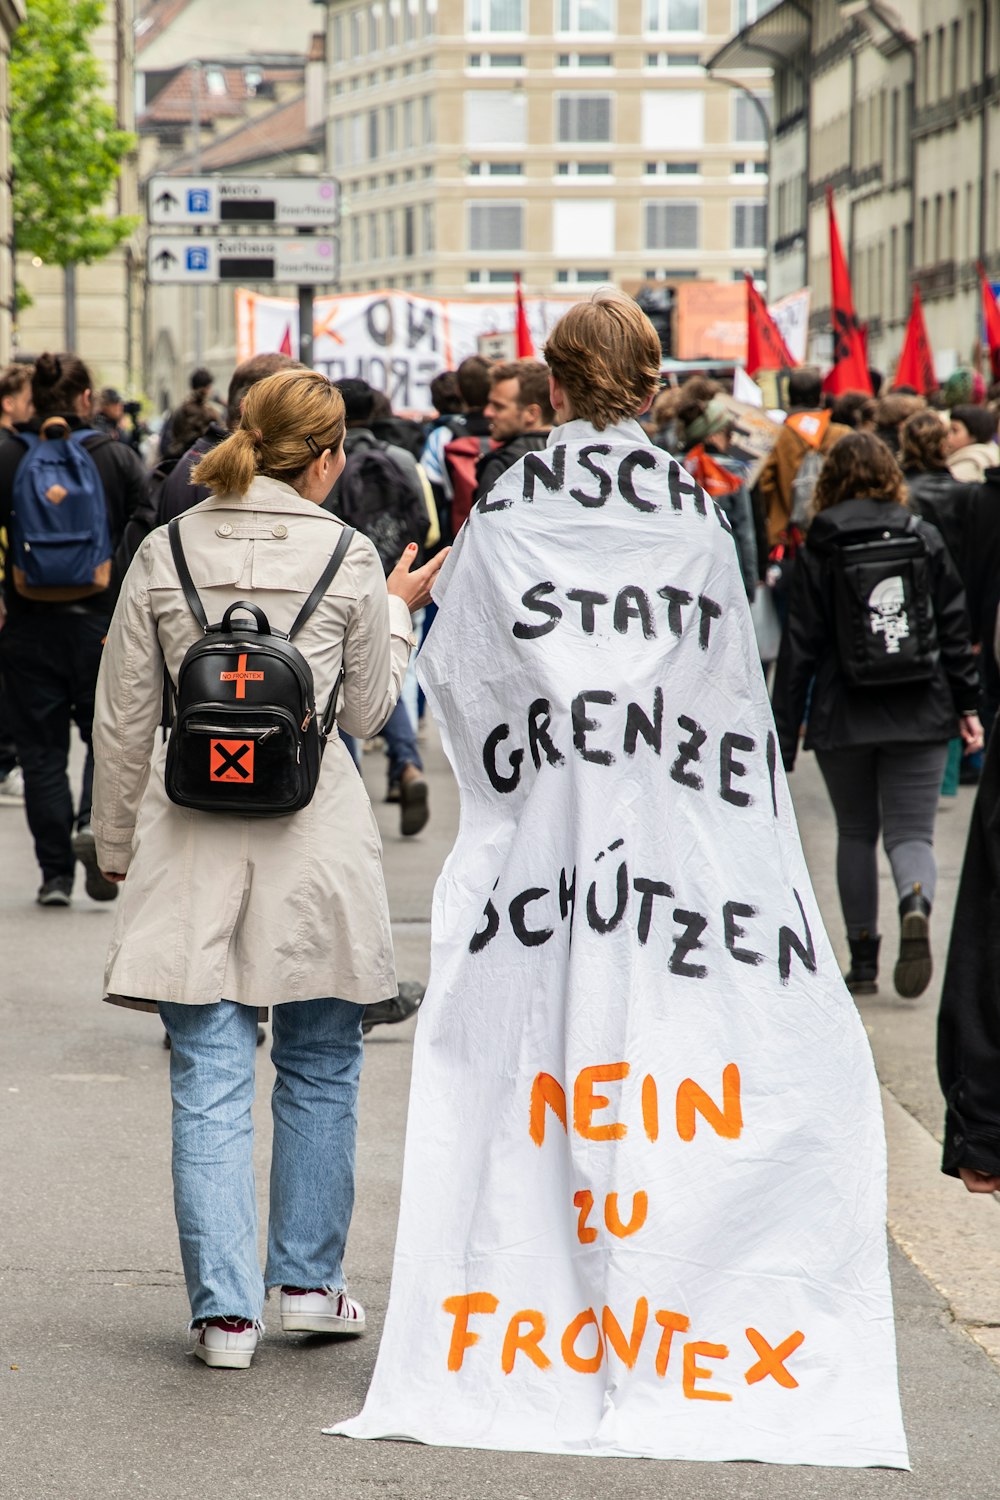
(573, 141)
(108, 294)
(896, 108)
(11, 16)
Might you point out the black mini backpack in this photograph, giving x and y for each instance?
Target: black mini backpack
(245, 735)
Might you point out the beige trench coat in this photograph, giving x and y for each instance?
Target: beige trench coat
(255, 910)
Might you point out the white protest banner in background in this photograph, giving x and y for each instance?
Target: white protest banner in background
(792, 317)
(643, 1206)
(397, 341)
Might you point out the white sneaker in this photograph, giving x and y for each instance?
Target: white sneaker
(323, 1310)
(227, 1343)
(12, 788)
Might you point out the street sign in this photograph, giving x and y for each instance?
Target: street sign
(294, 202)
(201, 260)
(496, 345)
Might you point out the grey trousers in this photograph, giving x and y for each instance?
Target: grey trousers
(889, 788)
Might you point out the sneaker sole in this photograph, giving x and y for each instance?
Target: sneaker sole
(224, 1359)
(314, 1323)
(415, 810)
(862, 986)
(58, 899)
(915, 965)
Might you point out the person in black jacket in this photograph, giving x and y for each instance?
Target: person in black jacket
(934, 493)
(50, 652)
(981, 572)
(520, 418)
(881, 750)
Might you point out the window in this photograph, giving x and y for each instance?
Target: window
(486, 16)
(689, 60)
(392, 24)
(427, 226)
(673, 118)
(427, 119)
(496, 60)
(745, 11)
(585, 15)
(583, 227)
(673, 15)
(391, 237)
(583, 169)
(356, 239)
(584, 60)
(583, 118)
(672, 226)
(749, 168)
(673, 169)
(496, 169)
(373, 14)
(391, 138)
(749, 224)
(494, 278)
(357, 43)
(582, 278)
(409, 233)
(409, 139)
(495, 117)
(373, 135)
(409, 20)
(496, 226)
(748, 124)
(373, 241)
(215, 82)
(357, 140)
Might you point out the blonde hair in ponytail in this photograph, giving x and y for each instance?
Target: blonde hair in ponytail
(287, 420)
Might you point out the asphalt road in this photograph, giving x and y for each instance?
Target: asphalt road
(98, 1397)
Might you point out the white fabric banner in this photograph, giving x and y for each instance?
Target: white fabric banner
(643, 1207)
(792, 317)
(397, 341)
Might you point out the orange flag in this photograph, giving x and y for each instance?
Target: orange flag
(709, 474)
(766, 349)
(991, 317)
(523, 345)
(850, 367)
(916, 362)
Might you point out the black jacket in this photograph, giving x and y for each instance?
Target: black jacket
(943, 501)
(981, 556)
(126, 487)
(842, 716)
(499, 460)
(177, 493)
(968, 1051)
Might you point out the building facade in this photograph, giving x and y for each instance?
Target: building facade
(109, 292)
(572, 141)
(897, 110)
(11, 16)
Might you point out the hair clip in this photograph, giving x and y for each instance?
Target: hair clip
(314, 447)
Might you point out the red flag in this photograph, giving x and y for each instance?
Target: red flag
(991, 317)
(850, 367)
(766, 349)
(712, 477)
(285, 347)
(916, 362)
(523, 345)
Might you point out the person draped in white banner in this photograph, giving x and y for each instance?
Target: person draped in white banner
(643, 1207)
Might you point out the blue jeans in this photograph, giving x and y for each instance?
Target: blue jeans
(317, 1051)
(400, 743)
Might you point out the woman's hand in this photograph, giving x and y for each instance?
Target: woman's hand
(971, 731)
(979, 1182)
(414, 588)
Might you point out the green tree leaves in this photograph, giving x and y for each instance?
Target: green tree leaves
(66, 146)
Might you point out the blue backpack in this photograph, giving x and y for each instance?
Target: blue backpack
(59, 534)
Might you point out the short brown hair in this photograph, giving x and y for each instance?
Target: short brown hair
(58, 380)
(921, 442)
(605, 353)
(13, 380)
(859, 466)
(473, 376)
(248, 374)
(287, 420)
(532, 376)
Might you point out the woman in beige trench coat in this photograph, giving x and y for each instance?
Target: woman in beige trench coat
(223, 915)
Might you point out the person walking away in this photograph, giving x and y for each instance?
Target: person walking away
(15, 409)
(221, 913)
(980, 569)
(804, 441)
(520, 418)
(705, 425)
(462, 454)
(448, 424)
(60, 480)
(971, 443)
(877, 625)
(177, 492)
(109, 413)
(381, 492)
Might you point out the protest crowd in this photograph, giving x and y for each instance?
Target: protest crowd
(305, 527)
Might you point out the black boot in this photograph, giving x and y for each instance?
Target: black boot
(862, 977)
(914, 965)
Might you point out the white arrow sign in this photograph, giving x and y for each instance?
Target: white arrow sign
(301, 259)
(213, 200)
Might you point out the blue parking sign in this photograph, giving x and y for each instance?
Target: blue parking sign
(198, 201)
(196, 258)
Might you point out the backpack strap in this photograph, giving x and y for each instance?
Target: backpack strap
(324, 582)
(184, 574)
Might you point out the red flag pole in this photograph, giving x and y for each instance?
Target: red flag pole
(850, 367)
(523, 342)
(766, 347)
(916, 362)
